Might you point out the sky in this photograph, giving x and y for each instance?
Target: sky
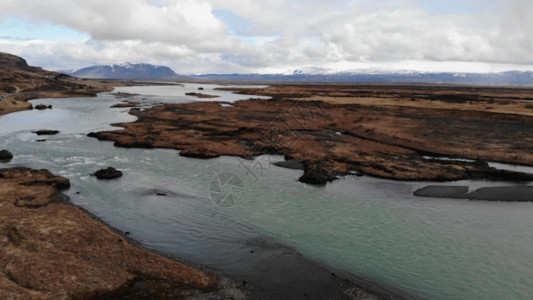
(275, 36)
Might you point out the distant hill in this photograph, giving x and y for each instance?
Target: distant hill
(17, 76)
(20, 82)
(505, 78)
(15, 64)
(125, 71)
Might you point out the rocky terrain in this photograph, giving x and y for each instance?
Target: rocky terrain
(393, 131)
(20, 82)
(52, 250)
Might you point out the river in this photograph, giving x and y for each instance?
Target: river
(372, 228)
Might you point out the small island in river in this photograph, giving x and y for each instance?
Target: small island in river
(400, 132)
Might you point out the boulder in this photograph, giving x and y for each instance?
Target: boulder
(46, 132)
(316, 176)
(42, 106)
(108, 173)
(5, 155)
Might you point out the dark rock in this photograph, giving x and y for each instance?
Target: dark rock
(200, 88)
(46, 132)
(125, 104)
(316, 176)
(481, 164)
(200, 95)
(43, 140)
(134, 144)
(42, 106)
(108, 173)
(290, 164)
(503, 193)
(438, 191)
(5, 155)
(199, 153)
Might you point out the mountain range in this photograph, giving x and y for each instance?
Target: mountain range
(517, 78)
(126, 71)
(148, 71)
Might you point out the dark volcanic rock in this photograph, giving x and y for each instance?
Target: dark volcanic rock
(125, 104)
(199, 153)
(290, 164)
(200, 95)
(46, 132)
(5, 155)
(498, 193)
(42, 106)
(439, 191)
(316, 176)
(108, 173)
(503, 193)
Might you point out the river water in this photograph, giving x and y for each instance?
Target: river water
(374, 228)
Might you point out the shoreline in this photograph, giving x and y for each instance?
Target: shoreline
(38, 231)
(280, 260)
(277, 270)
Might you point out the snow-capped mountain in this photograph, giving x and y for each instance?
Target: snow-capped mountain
(126, 71)
(517, 78)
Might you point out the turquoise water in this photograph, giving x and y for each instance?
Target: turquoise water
(432, 248)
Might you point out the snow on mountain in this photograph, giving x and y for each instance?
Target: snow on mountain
(125, 70)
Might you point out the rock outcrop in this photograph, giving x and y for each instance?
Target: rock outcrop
(109, 173)
(46, 132)
(42, 106)
(5, 155)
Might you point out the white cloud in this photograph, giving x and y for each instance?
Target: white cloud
(282, 34)
(184, 22)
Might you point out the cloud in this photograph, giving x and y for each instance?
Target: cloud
(184, 22)
(253, 36)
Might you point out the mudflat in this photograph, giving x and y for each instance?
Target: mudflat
(388, 131)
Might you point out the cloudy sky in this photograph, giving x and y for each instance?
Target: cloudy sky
(275, 36)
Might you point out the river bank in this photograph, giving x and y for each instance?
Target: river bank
(81, 258)
(39, 227)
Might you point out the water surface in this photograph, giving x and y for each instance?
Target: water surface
(432, 248)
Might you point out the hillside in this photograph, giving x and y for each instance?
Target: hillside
(20, 82)
(126, 71)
